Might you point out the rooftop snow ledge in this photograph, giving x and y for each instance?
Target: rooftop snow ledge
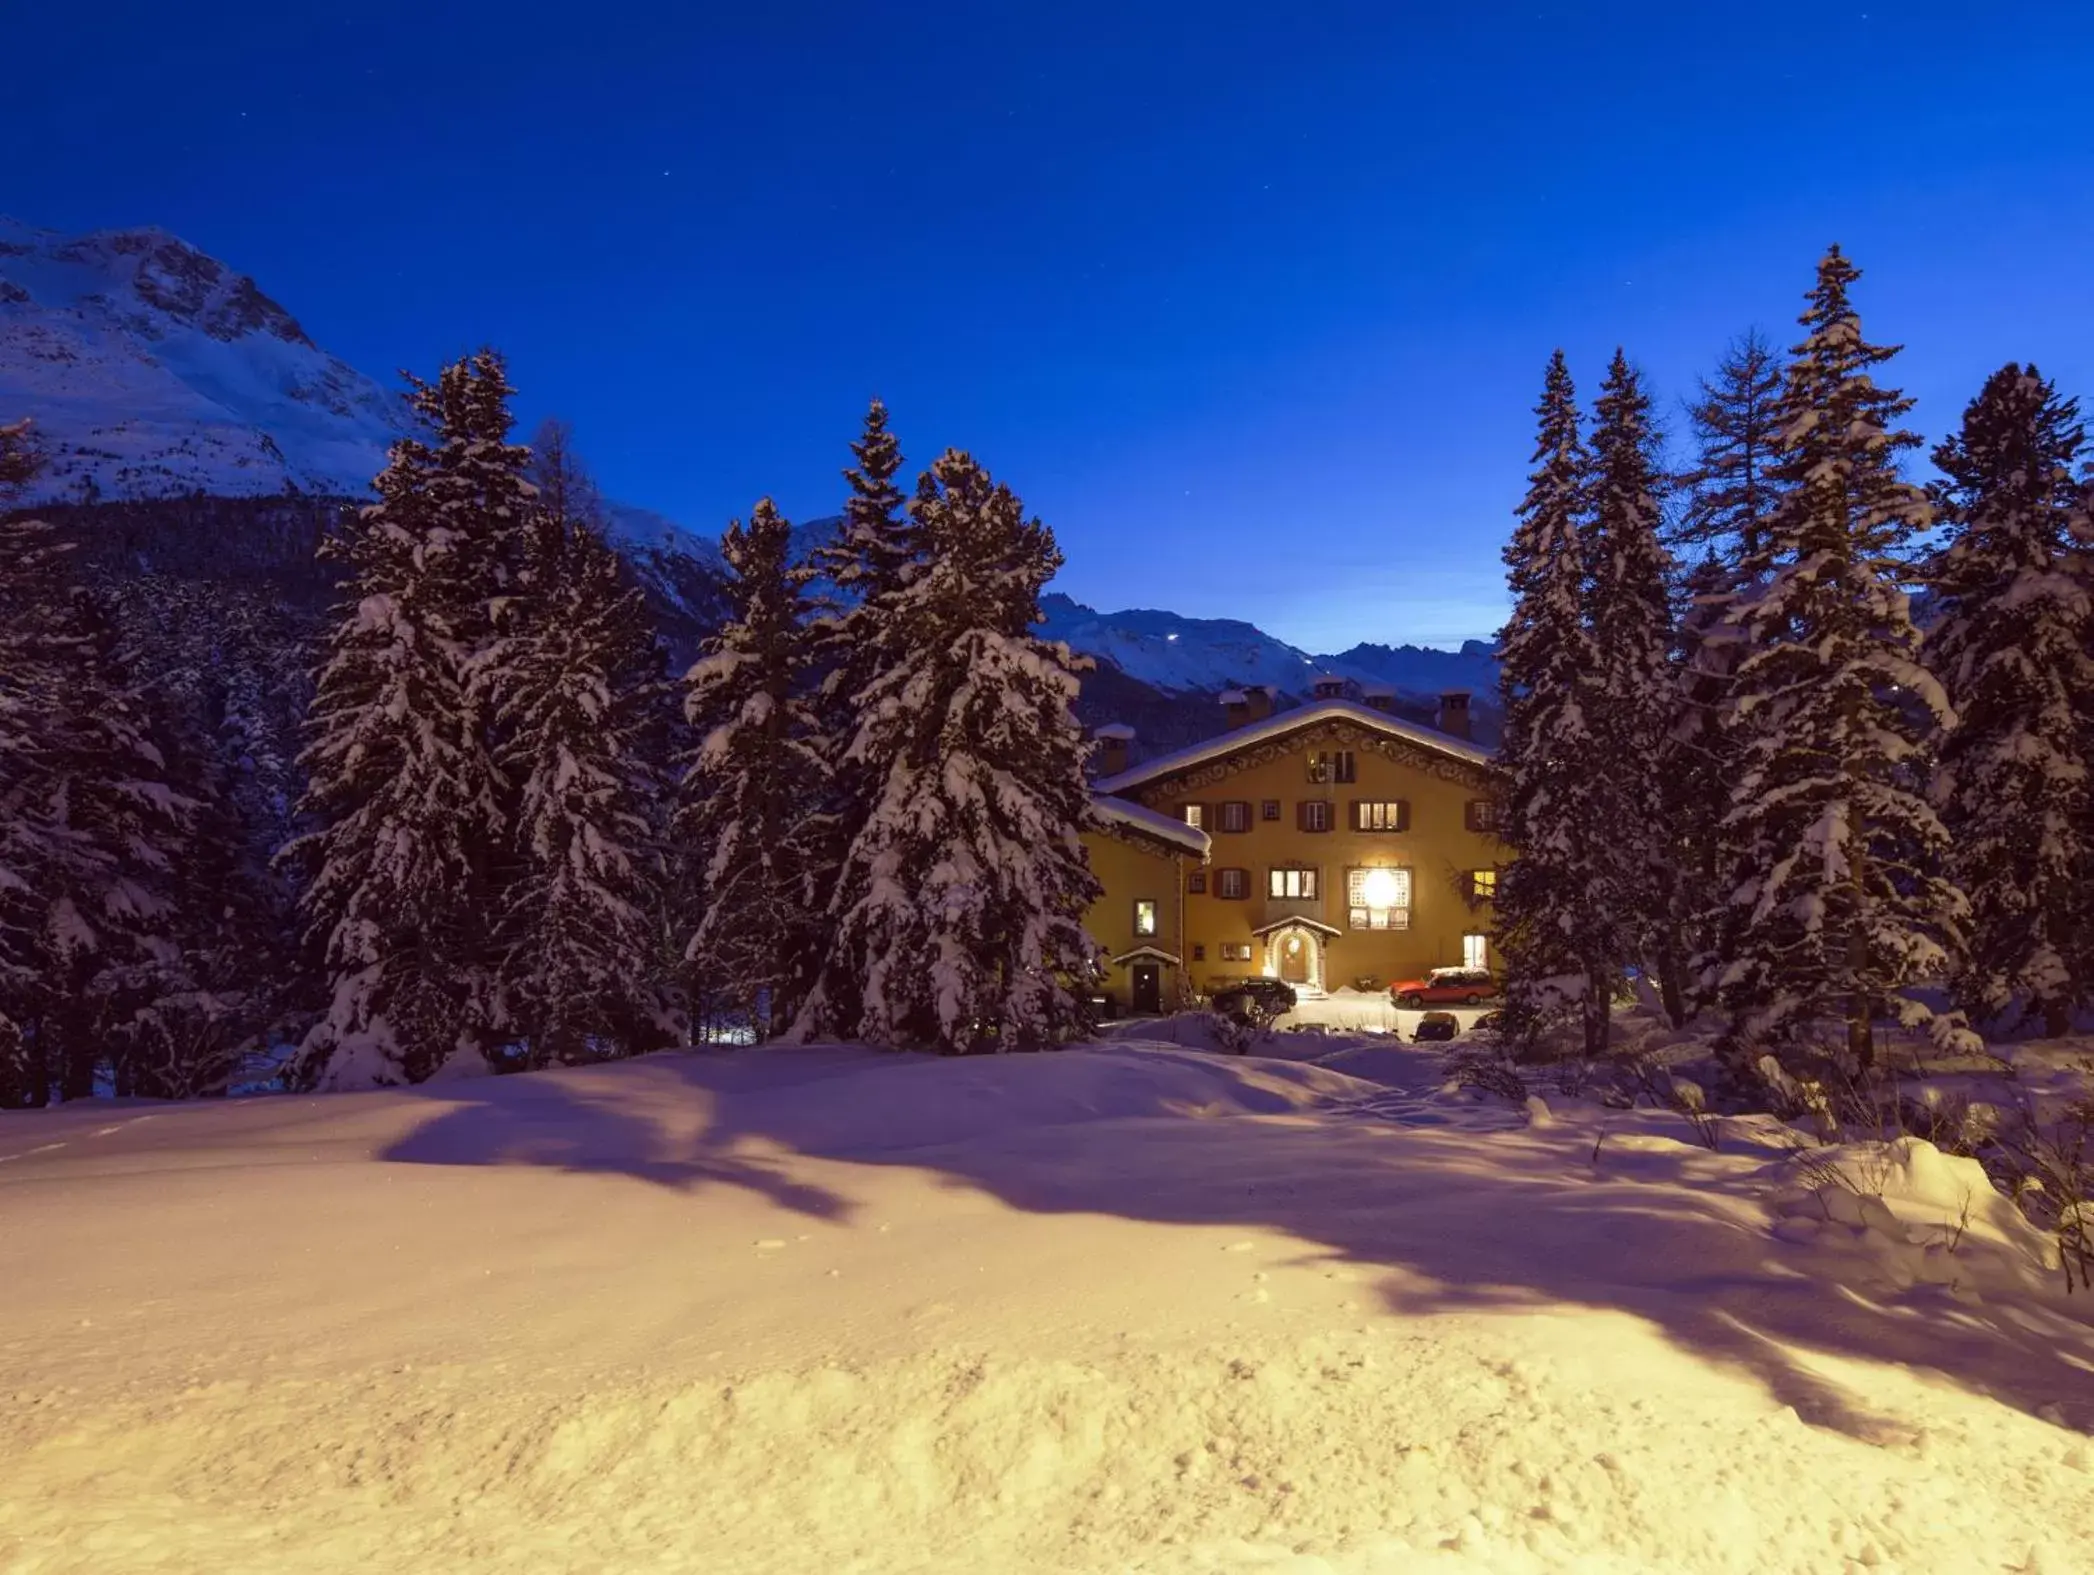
(1287, 721)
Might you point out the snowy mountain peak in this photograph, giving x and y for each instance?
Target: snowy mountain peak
(151, 368)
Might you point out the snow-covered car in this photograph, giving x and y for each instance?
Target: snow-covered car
(1445, 987)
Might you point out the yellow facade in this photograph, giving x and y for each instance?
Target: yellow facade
(1345, 850)
(1140, 921)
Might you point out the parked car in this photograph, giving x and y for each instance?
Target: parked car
(1446, 987)
(1437, 1026)
(1270, 997)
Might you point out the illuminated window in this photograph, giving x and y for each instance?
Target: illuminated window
(1294, 884)
(1332, 765)
(1235, 951)
(1378, 899)
(1475, 951)
(1196, 816)
(1386, 815)
(1483, 884)
(1145, 916)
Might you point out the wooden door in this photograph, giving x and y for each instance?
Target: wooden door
(1148, 989)
(1294, 957)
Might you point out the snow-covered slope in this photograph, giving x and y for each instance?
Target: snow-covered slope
(1127, 1308)
(151, 369)
(1182, 655)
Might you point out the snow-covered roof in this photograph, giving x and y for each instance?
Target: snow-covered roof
(1157, 824)
(1283, 722)
(1149, 954)
(1378, 691)
(1297, 924)
(1118, 730)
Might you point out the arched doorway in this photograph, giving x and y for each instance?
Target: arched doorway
(1294, 951)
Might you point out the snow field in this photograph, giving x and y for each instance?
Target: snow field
(1129, 1308)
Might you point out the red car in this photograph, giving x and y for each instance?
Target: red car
(1446, 987)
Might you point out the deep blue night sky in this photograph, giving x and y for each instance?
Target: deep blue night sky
(1249, 301)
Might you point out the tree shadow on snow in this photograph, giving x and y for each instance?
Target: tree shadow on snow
(1512, 1221)
(578, 1121)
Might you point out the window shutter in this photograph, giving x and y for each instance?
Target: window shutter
(1403, 814)
(1301, 814)
(1471, 816)
(1352, 811)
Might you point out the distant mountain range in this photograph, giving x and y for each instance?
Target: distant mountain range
(154, 371)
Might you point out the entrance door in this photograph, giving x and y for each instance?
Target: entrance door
(1148, 989)
(1294, 956)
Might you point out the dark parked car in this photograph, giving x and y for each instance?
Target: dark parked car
(1437, 1026)
(1269, 998)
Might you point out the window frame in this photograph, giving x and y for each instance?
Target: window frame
(1222, 883)
(1397, 916)
(1399, 817)
(1233, 810)
(1155, 916)
(1308, 881)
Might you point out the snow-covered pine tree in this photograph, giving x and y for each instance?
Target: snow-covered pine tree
(577, 717)
(960, 908)
(110, 945)
(1730, 492)
(1628, 601)
(35, 663)
(408, 861)
(755, 791)
(1839, 903)
(855, 630)
(1551, 905)
(2014, 647)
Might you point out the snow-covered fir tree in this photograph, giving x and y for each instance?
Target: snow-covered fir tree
(411, 851)
(856, 631)
(1729, 493)
(2014, 646)
(1839, 903)
(575, 682)
(960, 906)
(110, 943)
(754, 796)
(1628, 609)
(36, 658)
(1552, 915)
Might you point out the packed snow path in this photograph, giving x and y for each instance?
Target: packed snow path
(1133, 1308)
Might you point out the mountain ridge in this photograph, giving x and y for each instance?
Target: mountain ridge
(153, 370)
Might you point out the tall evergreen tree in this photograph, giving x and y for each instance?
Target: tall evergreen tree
(411, 851)
(1552, 900)
(2014, 646)
(960, 907)
(857, 636)
(1628, 601)
(1730, 490)
(1839, 903)
(36, 662)
(755, 789)
(575, 699)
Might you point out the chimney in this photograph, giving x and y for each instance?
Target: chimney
(1114, 740)
(1329, 687)
(1382, 697)
(1454, 713)
(1258, 702)
(1236, 705)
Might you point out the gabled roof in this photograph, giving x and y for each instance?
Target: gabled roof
(1297, 924)
(1139, 817)
(1148, 954)
(1285, 722)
